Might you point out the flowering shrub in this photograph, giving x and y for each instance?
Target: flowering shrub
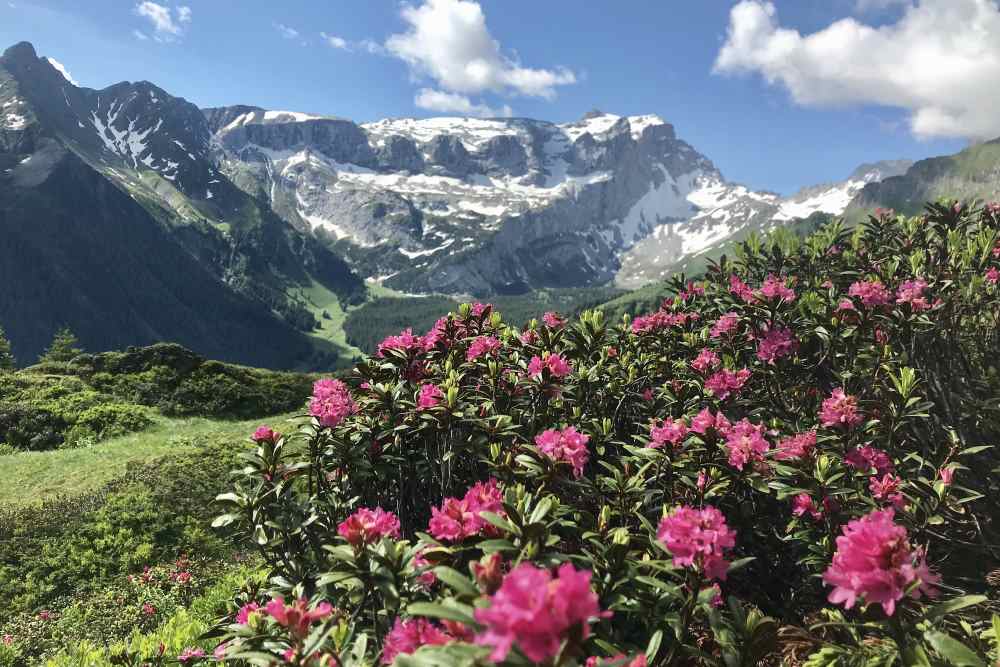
(788, 462)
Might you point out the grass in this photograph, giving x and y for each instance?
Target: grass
(38, 476)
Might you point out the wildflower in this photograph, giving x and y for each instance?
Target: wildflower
(331, 402)
(725, 325)
(803, 504)
(617, 660)
(865, 458)
(366, 526)
(407, 636)
(840, 410)
(297, 617)
(871, 292)
(798, 446)
(647, 394)
(993, 275)
(404, 341)
(480, 346)
(558, 367)
(726, 382)
(189, 654)
(481, 309)
(243, 615)
(912, 292)
(458, 518)
(740, 289)
(529, 336)
(745, 443)
(265, 434)
(537, 611)
(774, 289)
(946, 475)
(430, 396)
(669, 431)
(705, 361)
(703, 421)
(875, 561)
(698, 538)
(7, 640)
(489, 573)
(777, 342)
(568, 445)
(148, 609)
(553, 320)
(886, 489)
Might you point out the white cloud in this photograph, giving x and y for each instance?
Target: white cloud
(140, 35)
(940, 61)
(335, 41)
(448, 42)
(372, 47)
(62, 70)
(286, 32)
(865, 6)
(444, 102)
(161, 18)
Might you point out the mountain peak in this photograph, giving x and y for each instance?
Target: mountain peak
(21, 51)
(593, 113)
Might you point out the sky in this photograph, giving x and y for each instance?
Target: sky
(779, 95)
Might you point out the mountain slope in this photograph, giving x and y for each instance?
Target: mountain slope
(117, 223)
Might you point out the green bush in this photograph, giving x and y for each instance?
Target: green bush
(106, 421)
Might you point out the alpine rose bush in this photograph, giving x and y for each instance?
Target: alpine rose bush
(788, 461)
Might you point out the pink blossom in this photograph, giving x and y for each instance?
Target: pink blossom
(529, 336)
(698, 538)
(7, 640)
(866, 458)
(874, 561)
(407, 636)
(189, 654)
(725, 325)
(871, 292)
(777, 342)
(840, 410)
(553, 320)
(568, 445)
(912, 292)
(537, 611)
(993, 275)
(489, 572)
(243, 616)
(740, 289)
(668, 431)
(404, 341)
(659, 320)
(774, 289)
(430, 396)
(557, 365)
(480, 309)
(297, 617)
(846, 310)
(726, 382)
(367, 526)
(482, 345)
(705, 361)
(647, 395)
(798, 446)
(745, 443)
(947, 475)
(703, 421)
(692, 290)
(265, 434)
(803, 504)
(886, 488)
(331, 402)
(458, 518)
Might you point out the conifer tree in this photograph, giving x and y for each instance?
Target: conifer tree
(63, 347)
(7, 361)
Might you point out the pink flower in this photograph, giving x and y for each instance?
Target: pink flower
(647, 395)
(481, 309)
(458, 519)
(725, 325)
(871, 292)
(617, 660)
(912, 292)
(874, 561)
(692, 290)
(529, 336)
(407, 636)
(993, 275)
(537, 611)
(803, 504)
(846, 310)
(331, 402)
(404, 341)
(774, 289)
(297, 617)
(265, 434)
(7, 640)
(148, 609)
(745, 443)
(558, 367)
(865, 458)
(669, 431)
(946, 475)
(777, 342)
(840, 410)
(740, 289)
(489, 573)
(703, 421)
(705, 361)
(698, 538)
(482, 345)
(886, 488)
(726, 382)
(243, 616)
(568, 445)
(798, 446)
(189, 654)
(553, 320)
(430, 396)
(367, 526)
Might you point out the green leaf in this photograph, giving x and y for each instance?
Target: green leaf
(952, 650)
(456, 580)
(953, 605)
(500, 522)
(451, 612)
(653, 647)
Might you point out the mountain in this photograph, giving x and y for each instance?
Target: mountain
(117, 222)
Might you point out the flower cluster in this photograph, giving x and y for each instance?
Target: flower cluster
(840, 410)
(367, 526)
(331, 402)
(726, 382)
(669, 431)
(459, 518)
(568, 445)
(698, 538)
(555, 363)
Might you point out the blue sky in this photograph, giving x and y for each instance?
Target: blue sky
(778, 95)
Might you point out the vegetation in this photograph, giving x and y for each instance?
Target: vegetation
(62, 349)
(7, 361)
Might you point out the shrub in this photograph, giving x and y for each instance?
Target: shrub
(108, 420)
(63, 348)
(784, 462)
